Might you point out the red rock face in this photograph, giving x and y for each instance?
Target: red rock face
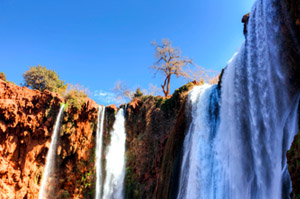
(26, 124)
(76, 152)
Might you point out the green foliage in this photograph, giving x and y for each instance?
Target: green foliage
(75, 96)
(87, 184)
(298, 140)
(2, 76)
(38, 175)
(40, 78)
(93, 126)
(64, 194)
(168, 105)
(138, 93)
(85, 179)
(131, 186)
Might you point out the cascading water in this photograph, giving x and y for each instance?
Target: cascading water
(115, 160)
(258, 120)
(50, 160)
(258, 112)
(199, 168)
(99, 135)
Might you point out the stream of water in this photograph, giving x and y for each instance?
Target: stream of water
(99, 140)
(115, 160)
(50, 159)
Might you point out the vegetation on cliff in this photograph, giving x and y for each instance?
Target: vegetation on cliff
(2, 76)
(293, 160)
(76, 151)
(40, 78)
(75, 96)
(150, 124)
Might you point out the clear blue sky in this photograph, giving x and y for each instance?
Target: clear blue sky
(96, 43)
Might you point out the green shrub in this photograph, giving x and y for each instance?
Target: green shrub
(138, 93)
(75, 96)
(2, 76)
(64, 194)
(40, 78)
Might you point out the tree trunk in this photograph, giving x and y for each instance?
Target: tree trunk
(168, 86)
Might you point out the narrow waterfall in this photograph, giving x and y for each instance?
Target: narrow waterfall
(50, 160)
(199, 167)
(99, 139)
(258, 116)
(115, 160)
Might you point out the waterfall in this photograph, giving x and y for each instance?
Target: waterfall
(199, 167)
(258, 116)
(115, 160)
(50, 160)
(240, 152)
(99, 135)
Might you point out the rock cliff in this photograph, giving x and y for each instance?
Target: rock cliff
(155, 128)
(155, 132)
(26, 124)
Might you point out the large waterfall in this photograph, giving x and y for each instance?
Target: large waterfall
(115, 160)
(258, 112)
(199, 167)
(99, 139)
(50, 160)
(246, 158)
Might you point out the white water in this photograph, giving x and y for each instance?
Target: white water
(50, 160)
(198, 171)
(99, 139)
(115, 160)
(258, 113)
(258, 120)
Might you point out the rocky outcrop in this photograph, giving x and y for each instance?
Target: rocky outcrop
(290, 14)
(293, 160)
(26, 124)
(76, 152)
(293, 9)
(245, 21)
(291, 46)
(155, 129)
(293, 157)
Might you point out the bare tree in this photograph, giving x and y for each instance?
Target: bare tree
(153, 90)
(122, 91)
(202, 75)
(169, 62)
(214, 80)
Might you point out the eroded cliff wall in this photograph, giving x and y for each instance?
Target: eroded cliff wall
(26, 124)
(155, 129)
